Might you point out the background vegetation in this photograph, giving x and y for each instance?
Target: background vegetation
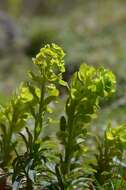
(89, 31)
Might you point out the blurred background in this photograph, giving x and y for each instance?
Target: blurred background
(91, 31)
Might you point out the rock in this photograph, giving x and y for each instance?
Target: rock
(11, 37)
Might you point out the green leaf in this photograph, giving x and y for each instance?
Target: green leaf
(25, 94)
(32, 175)
(16, 184)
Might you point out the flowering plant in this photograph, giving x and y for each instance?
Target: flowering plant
(58, 162)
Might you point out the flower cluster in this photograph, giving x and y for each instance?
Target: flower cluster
(50, 62)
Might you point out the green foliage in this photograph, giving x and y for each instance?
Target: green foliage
(110, 164)
(37, 94)
(87, 86)
(13, 118)
(60, 162)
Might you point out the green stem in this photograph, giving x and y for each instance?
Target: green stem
(29, 184)
(39, 118)
(7, 141)
(69, 143)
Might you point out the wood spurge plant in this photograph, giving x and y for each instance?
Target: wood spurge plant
(31, 159)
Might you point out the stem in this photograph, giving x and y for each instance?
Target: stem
(68, 154)
(29, 184)
(39, 118)
(59, 178)
(69, 143)
(7, 141)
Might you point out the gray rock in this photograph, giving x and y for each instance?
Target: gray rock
(11, 37)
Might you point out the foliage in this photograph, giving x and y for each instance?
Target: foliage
(31, 160)
(38, 94)
(109, 157)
